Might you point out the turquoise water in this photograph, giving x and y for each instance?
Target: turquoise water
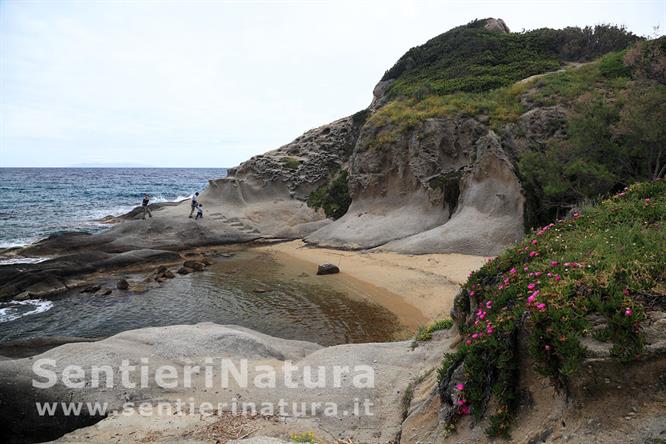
(36, 202)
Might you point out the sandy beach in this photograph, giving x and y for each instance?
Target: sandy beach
(417, 288)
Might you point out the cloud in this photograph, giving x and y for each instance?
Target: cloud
(213, 83)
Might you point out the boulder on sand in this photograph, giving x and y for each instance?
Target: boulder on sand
(327, 269)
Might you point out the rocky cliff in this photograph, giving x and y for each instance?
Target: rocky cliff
(433, 163)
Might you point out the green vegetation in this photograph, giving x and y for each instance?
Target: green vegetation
(425, 333)
(332, 197)
(614, 130)
(307, 437)
(616, 136)
(607, 262)
(290, 162)
(472, 59)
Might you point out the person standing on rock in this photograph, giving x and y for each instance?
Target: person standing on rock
(144, 205)
(195, 204)
(199, 212)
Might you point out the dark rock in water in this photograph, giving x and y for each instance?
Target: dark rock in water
(327, 269)
(169, 274)
(105, 291)
(161, 269)
(195, 265)
(184, 270)
(122, 284)
(91, 289)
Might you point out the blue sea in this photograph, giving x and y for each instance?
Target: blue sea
(37, 202)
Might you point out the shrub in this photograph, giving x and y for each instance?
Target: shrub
(332, 197)
(290, 162)
(607, 261)
(425, 333)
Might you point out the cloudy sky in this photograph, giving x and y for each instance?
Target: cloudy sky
(211, 83)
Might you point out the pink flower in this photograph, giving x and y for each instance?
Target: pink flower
(628, 312)
(490, 330)
(531, 286)
(471, 294)
(513, 271)
(526, 269)
(460, 387)
(538, 273)
(533, 253)
(532, 297)
(468, 342)
(576, 215)
(475, 336)
(550, 275)
(626, 292)
(558, 277)
(534, 242)
(460, 402)
(547, 347)
(465, 410)
(489, 305)
(541, 306)
(553, 263)
(647, 200)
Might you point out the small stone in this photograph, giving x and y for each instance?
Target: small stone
(169, 274)
(22, 296)
(195, 265)
(184, 270)
(122, 284)
(91, 289)
(105, 291)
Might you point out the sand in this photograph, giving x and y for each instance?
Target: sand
(418, 289)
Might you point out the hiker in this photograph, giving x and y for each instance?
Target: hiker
(199, 212)
(194, 203)
(144, 205)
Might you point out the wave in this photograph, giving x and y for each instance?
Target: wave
(22, 260)
(13, 310)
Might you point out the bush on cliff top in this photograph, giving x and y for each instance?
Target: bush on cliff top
(607, 261)
(472, 59)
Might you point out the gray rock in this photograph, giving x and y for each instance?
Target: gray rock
(122, 284)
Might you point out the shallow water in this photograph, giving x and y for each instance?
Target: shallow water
(250, 290)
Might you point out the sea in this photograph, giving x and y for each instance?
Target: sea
(37, 202)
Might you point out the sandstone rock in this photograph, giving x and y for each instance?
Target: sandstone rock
(122, 284)
(184, 270)
(327, 269)
(169, 274)
(105, 291)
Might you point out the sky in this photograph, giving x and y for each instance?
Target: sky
(212, 83)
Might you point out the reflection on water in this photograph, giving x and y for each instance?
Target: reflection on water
(248, 290)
